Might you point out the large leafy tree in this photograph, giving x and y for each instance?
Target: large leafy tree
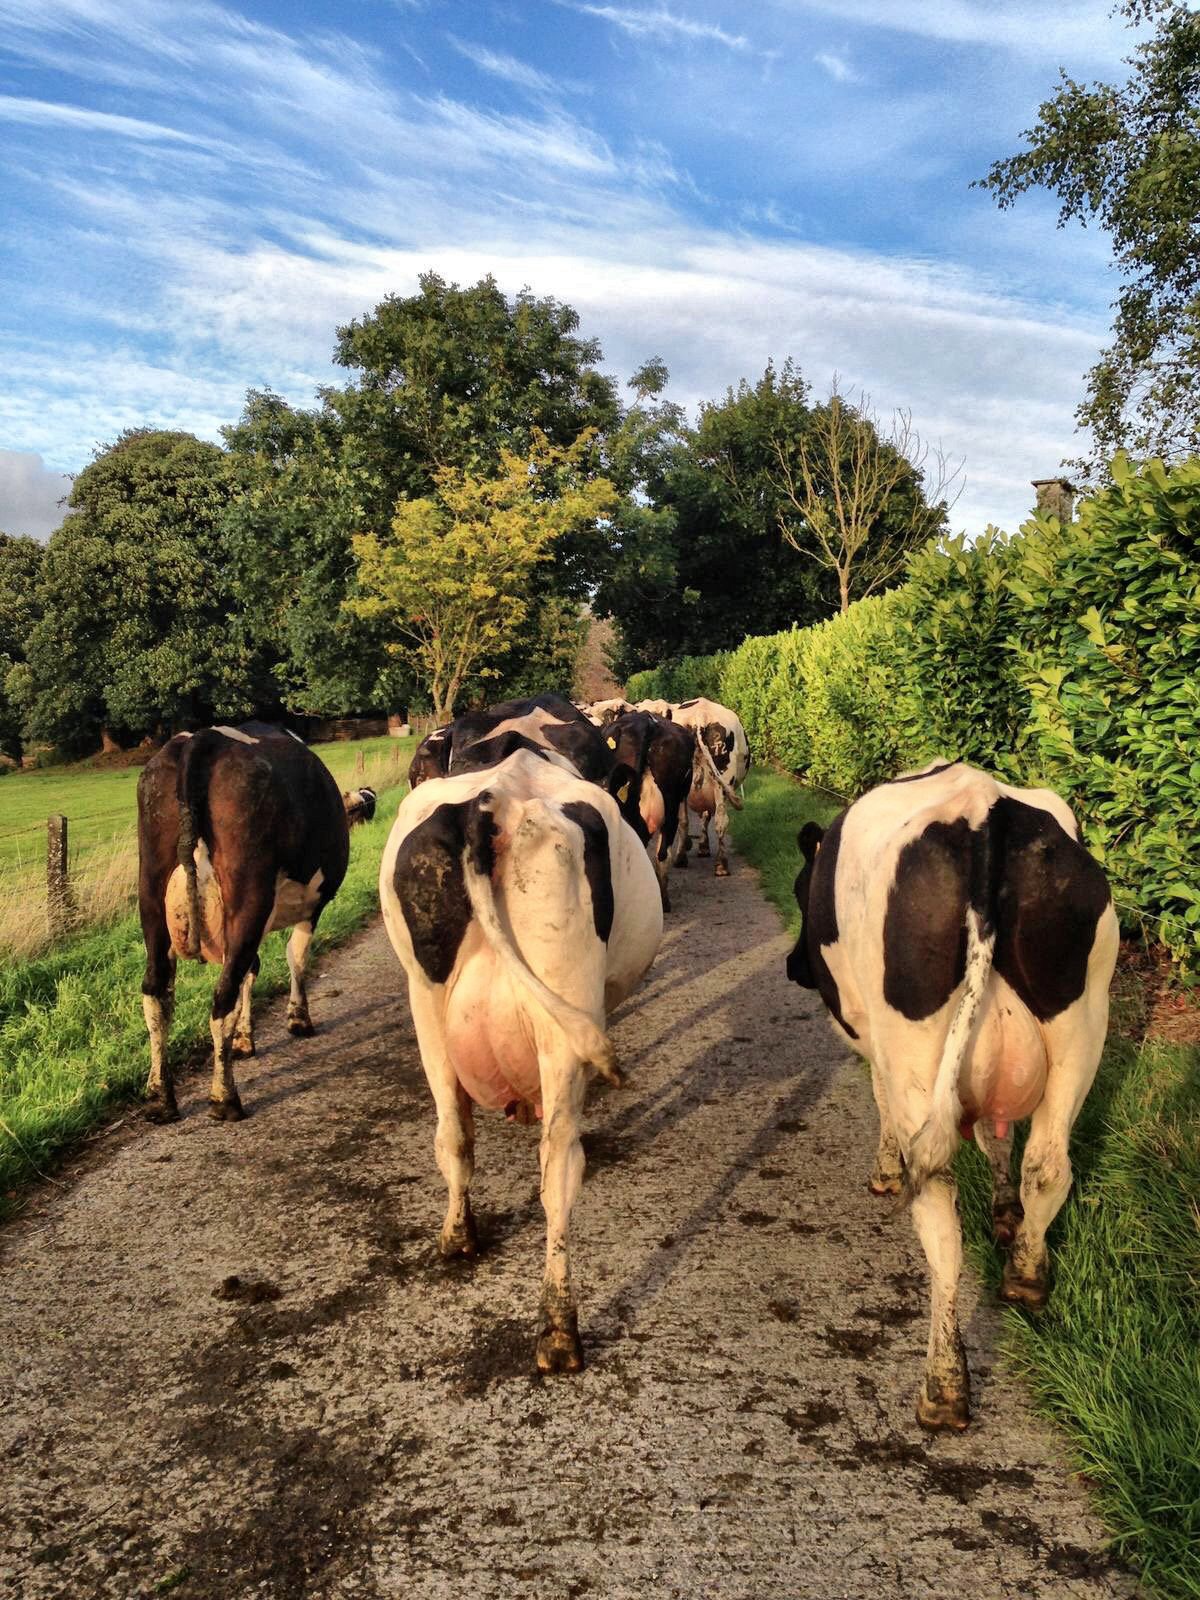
(136, 599)
(447, 379)
(1128, 158)
(20, 607)
(451, 582)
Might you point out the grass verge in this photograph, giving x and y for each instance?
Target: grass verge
(1115, 1358)
(72, 1039)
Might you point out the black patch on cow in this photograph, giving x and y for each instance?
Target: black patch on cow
(429, 884)
(720, 744)
(815, 889)
(916, 777)
(491, 752)
(925, 925)
(570, 733)
(596, 862)
(482, 832)
(1051, 896)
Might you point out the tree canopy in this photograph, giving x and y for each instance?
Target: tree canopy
(1128, 157)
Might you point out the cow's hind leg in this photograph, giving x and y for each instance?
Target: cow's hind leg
(1006, 1200)
(158, 1005)
(720, 826)
(243, 931)
(243, 1033)
(561, 1155)
(945, 1397)
(454, 1142)
(887, 1176)
(682, 842)
(298, 1020)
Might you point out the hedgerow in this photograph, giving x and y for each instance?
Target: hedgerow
(1064, 656)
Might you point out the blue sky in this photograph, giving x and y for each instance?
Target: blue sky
(193, 195)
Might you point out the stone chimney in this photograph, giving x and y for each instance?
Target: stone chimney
(1055, 497)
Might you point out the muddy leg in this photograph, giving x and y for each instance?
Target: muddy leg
(1006, 1202)
(561, 1156)
(158, 1005)
(299, 1022)
(703, 848)
(243, 1033)
(720, 825)
(887, 1176)
(944, 1400)
(681, 843)
(661, 865)
(242, 933)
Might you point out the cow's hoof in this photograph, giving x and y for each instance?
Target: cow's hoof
(681, 864)
(559, 1350)
(301, 1027)
(721, 870)
(461, 1241)
(703, 850)
(244, 1048)
(950, 1413)
(1032, 1293)
(159, 1109)
(226, 1110)
(1005, 1221)
(882, 1183)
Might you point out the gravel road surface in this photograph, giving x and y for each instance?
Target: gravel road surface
(232, 1365)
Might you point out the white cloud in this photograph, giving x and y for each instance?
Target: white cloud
(661, 24)
(838, 68)
(29, 494)
(1076, 28)
(13, 108)
(518, 73)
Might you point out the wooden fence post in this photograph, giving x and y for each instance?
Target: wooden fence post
(60, 904)
(360, 762)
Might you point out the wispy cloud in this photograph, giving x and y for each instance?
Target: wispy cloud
(518, 73)
(1031, 27)
(15, 109)
(838, 68)
(662, 24)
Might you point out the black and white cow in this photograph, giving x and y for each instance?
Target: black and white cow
(963, 941)
(602, 712)
(431, 759)
(360, 805)
(722, 762)
(240, 831)
(523, 909)
(661, 754)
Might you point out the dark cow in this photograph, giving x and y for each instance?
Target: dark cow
(240, 831)
(661, 754)
(963, 941)
(431, 758)
(722, 762)
(523, 909)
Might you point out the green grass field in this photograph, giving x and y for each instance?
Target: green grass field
(1115, 1358)
(72, 1038)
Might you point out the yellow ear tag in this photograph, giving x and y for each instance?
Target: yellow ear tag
(623, 793)
(612, 744)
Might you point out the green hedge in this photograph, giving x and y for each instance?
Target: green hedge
(685, 679)
(1061, 656)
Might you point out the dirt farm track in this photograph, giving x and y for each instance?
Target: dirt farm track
(231, 1363)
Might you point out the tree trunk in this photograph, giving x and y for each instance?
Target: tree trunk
(107, 743)
(844, 589)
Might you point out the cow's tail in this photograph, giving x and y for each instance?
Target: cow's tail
(705, 762)
(588, 1041)
(937, 1138)
(191, 790)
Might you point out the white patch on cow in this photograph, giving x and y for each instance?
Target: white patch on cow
(236, 733)
(294, 902)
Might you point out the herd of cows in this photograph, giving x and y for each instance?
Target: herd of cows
(962, 939)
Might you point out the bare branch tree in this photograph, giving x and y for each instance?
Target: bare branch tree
(838, 478)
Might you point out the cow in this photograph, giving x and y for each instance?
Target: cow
(547, 722)
(963, 941)
(602, 712)
(431, 759)
(240, 831)
(722, 761)
(657, 708)
(523, 909)
(360, 805)
(661, 754)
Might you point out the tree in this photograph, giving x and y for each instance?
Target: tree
(136, 599)
(452, 581)
(1128, 157)
(856, 501)
(20, 571)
